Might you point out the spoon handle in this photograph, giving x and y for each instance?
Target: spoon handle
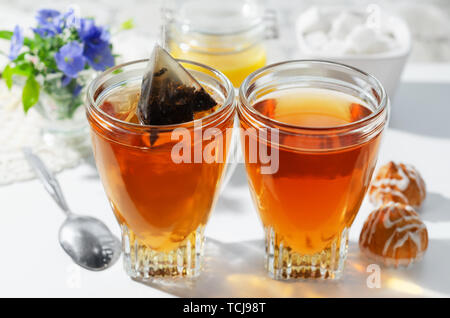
(47, 178)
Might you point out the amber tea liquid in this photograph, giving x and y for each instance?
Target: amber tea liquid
(308, 205)
(162, 206)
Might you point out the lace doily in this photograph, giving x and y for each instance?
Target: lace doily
(18, 130)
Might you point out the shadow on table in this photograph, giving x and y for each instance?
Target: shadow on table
(228, 200)
(230, 204)
(239, 178)
(422, 108)
(430, 275)
(237, 270)
(436, 208)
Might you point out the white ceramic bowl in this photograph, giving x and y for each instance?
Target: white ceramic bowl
(387, 67)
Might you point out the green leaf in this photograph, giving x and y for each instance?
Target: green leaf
(30, 93)
(28, 42)
(24, 68)
(127, 25)
(20, 57)
(7, 35)
(7, 75)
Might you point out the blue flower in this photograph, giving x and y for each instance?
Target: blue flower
(70, 19)
(77, 90)
(49, 22)
(99, 57)
(43, 32)
(70, 59)
(66, 20)
(47, 16)
(89, 32)
(96, 45)
(65, 80)
(16, 43)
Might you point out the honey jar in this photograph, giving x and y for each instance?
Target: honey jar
(230, 36)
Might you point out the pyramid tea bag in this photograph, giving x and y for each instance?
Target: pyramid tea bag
(169, 94)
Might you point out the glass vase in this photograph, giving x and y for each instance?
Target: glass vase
(62, 109)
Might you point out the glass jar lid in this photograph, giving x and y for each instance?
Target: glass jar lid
(218, 17)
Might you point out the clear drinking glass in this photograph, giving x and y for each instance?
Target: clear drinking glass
(310, 192)
(161, 204)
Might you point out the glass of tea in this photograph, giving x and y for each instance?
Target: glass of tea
(310, 133)
(161, 201)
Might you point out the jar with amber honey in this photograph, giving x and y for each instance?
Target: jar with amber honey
(230, 36)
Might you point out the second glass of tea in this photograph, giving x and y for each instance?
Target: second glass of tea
(310, 132)
(161, 203)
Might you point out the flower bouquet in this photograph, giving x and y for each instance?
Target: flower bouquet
(57, 63)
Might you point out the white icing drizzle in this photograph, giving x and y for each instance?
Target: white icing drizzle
(378, 199)
(411, 231)
(413, 174)
(406, 174)
(372, 223)
(401, 184)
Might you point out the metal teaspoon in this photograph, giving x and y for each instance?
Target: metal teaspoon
(87, 240)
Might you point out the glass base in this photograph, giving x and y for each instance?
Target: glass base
(282, 263)
(145, 264)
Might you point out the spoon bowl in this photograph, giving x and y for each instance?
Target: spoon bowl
(87, 240)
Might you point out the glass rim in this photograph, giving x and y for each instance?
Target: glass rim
(383, 103)
(96, 83)
(246, 39)
(259, 23)
(186, 23)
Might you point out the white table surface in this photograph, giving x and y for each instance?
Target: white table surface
(33, 263)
